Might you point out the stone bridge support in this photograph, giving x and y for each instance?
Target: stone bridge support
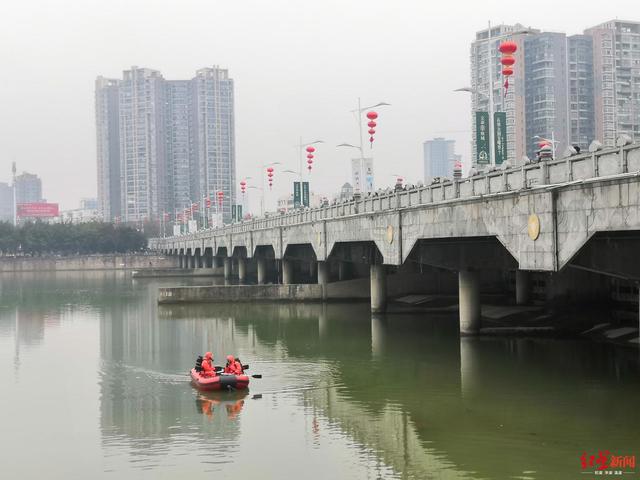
(242, 270)
(228, 270)
(378, 275)
(262, 270)
(469, 298)
(287, 271)
(523, 287)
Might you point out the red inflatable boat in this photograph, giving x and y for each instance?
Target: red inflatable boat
(221, 381)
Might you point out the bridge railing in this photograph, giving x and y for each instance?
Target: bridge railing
(607, 162)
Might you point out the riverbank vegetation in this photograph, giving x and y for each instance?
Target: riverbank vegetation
(39, 238)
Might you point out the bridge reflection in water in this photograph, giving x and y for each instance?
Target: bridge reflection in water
(344, 393)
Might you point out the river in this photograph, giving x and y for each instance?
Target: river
(94, 384)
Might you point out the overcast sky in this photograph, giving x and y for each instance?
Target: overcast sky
(299, 67)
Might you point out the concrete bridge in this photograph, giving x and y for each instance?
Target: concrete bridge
(573, 220)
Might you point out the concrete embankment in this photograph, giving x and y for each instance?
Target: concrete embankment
(177, 272)
(86, 262)
(356, 289)
(241, 293)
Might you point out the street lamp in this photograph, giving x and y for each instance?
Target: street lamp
(358, 113)
(300, 147)
(262, 170)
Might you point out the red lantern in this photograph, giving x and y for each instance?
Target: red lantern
(372, 124)
(372, 115)
(508, 60)
(270, 169)
(243, 183)
(371, 131)
(309, 161)
(310, 155)
(507, 71)
(371, 140)
(508, 47)
(310, 149)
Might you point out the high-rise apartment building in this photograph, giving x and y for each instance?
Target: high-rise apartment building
(545, 90)
(176, 143)
(143, 162)
(616, 61)
(179, 132)
(214, 136)
(580, 91)
(6, 202)
(28, 188)
(439, 158)
(108, 147)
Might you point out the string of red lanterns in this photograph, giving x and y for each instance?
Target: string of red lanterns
(220, 198)
(310, 157)
(507, 49)
(372, 126)
(243, 187)
(270, 176)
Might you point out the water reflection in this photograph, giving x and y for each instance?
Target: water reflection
(392, 396)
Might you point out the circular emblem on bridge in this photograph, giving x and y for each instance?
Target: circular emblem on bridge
(390, 234)
(533, 226)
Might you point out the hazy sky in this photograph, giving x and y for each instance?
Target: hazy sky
(299, 67)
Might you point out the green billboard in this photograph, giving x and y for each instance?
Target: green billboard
(297, 195)
(500, 136)
(305, 194)
(483, 153)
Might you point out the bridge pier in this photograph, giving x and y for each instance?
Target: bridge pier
(323, 277)
(228, 268)
(180, 260)
(523, 287)
(313, 271)
(192, 261)
(342, 270)
(215, 262)
(378, 276)
(242, 270)
(208, 259)
(287, 271)
(262, 270)
(469, 300)
(199, 263)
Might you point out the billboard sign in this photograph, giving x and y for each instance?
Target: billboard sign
(483, 155)
(297, 195)
(500, 141)
(37, 210)
(305, 194)
(234, 212)
(362, 174)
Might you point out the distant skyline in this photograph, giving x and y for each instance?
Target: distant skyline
(299, 68)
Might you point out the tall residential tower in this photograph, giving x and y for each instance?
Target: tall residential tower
(164, 144)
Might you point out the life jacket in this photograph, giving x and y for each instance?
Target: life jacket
(237, 366)
(207, 369)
